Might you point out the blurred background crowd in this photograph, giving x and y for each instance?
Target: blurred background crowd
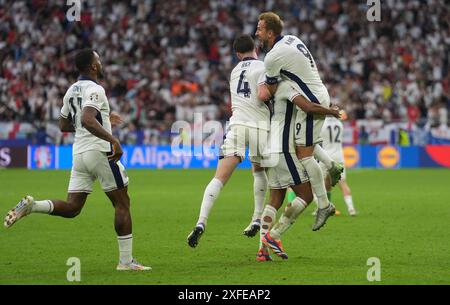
(166, 60)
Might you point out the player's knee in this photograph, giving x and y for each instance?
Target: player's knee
(73, 212)
(123, 204)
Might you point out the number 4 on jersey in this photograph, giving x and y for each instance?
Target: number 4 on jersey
(243, 86)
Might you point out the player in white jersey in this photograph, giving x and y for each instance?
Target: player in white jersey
(285, 169)
(96, 155)
(249, 127)
(332, 134)
(289, 60)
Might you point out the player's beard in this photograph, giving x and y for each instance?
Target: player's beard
(263, 46)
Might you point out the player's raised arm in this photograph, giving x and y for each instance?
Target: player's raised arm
(310, 107)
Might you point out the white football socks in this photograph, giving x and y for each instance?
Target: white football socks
(316, 180)
(349, 202)
(212, 192)
(125, 248)
(44, 206)
(259, 192)
(322, 156)
(290, 214)
(267, 219)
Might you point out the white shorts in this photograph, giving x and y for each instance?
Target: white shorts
(91, 165)
(309, 126)
(239, 137)
(289, 171)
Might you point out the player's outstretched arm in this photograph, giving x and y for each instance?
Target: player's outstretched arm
(89, 121)
(65, 124)
(310, 107)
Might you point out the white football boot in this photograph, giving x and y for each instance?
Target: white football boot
(133, 266)
(22, 209)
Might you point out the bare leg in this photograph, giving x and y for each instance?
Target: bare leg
(70, 208)
(121, 202)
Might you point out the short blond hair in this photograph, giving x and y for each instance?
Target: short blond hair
(273, 22)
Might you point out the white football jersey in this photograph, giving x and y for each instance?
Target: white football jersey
(332, 134)
(282, 124)
(247, 109)
(84, 93)
(290, 60)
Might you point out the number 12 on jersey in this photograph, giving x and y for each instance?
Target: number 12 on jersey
(336, 139)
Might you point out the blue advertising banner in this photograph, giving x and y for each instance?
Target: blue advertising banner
(157, 157)
(161, 157)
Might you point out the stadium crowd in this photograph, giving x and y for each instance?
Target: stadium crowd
(165, 60)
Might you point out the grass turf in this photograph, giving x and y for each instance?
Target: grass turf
(403, 220)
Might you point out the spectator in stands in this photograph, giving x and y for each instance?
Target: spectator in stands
(176, 54)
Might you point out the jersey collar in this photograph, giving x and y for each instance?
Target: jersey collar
(248, 58)
(277, 39)
(82, 77)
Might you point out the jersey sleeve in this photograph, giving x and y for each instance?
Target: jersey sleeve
(292, 94)
(261, 78)
(286, 92)
(257, 76)
(272, 69)
(65, 108)
(94, 97)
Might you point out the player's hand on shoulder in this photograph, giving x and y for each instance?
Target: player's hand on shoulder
(117, 151)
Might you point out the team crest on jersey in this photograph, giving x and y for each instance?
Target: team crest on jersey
(93, 97)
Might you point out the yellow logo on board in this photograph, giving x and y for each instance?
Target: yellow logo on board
(388, 156)
(351, 156)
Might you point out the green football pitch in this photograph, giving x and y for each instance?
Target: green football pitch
(403, 220)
